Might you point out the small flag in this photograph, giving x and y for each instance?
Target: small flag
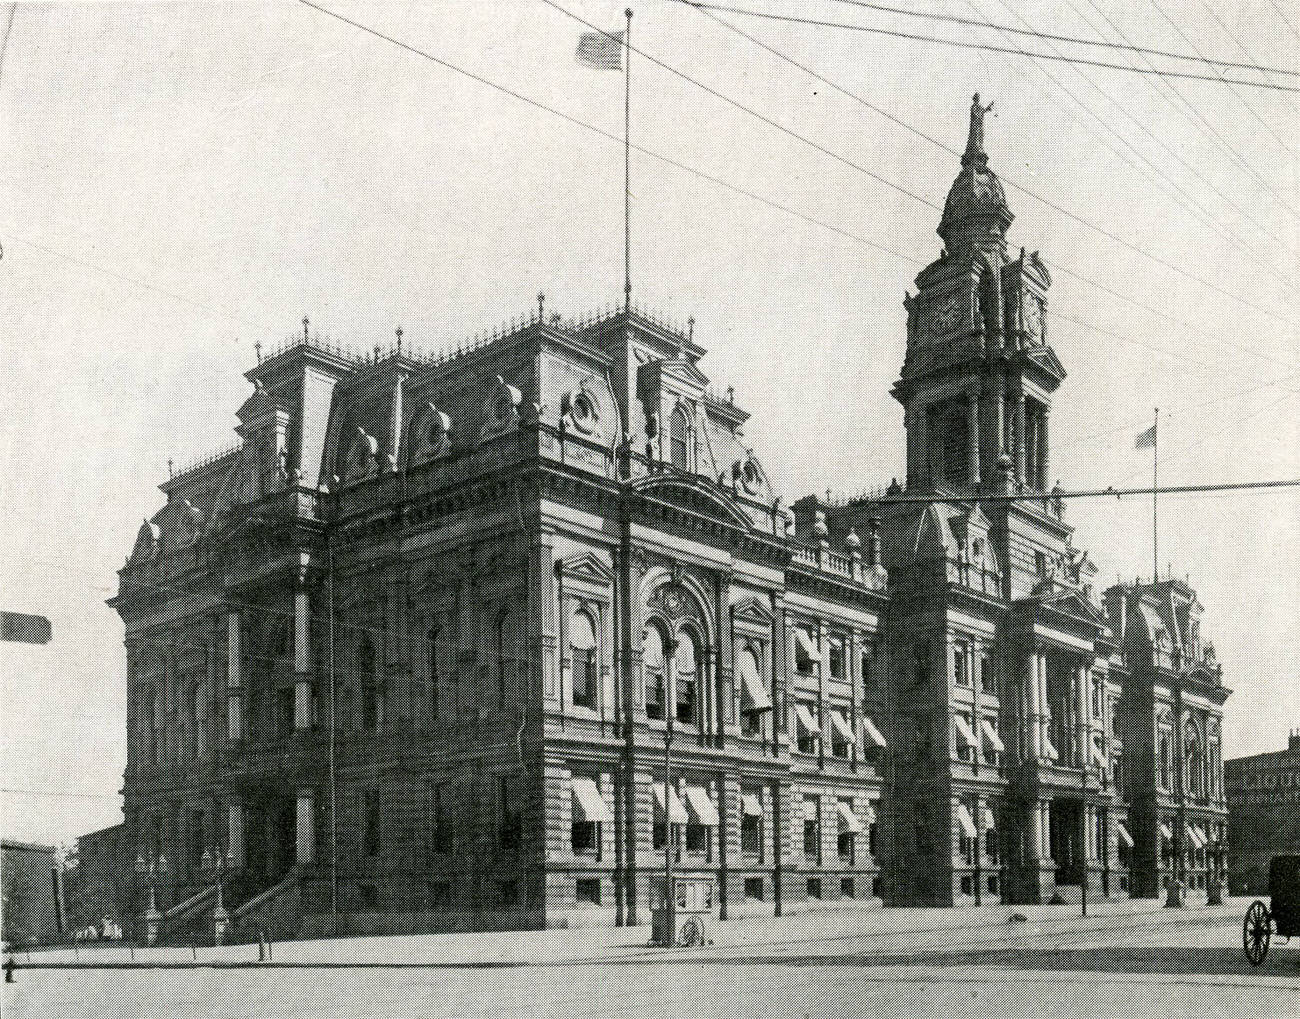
(601, 50)
(1145, 440)
(24, 629)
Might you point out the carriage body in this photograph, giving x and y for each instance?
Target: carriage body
(1281, 916)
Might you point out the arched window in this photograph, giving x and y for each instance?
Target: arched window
(679, 430)
(652, 662)
(372, 704)
(584, 654)
(686, 680)
(508, 653)
(1165, 761)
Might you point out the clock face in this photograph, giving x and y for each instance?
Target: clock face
(946, 315)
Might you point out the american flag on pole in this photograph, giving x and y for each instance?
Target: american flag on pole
(1145, 440)
(601, 50)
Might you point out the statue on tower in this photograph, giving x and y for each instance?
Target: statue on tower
(975, 139)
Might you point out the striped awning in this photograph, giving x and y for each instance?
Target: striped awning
(1123, 834)
(991, 736)
(676, 812)
(966, 821)
(588, 804)
(700, 807)
(807, 720)
(873, 734)
(848, 819)
(964, 732)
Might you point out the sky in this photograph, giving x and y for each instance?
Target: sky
(179, 182)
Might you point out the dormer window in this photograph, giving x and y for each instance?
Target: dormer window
(679, 430)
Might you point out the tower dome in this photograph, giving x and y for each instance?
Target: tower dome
(975, 211)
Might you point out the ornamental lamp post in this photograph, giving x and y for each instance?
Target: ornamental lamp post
(215, 864)
(147, 865)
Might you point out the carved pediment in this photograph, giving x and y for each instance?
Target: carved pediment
(1046, 359)
(692, 494)
(752, 610)
(589, 567)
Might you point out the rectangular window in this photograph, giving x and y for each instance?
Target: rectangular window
(284, 698)
(966, 885)
(847, 845)
(754, 888)
(988, 683)
(846, 888)
(837, 658)
(812, 839)
(871, 838)
(993, 884)
(697, 838)
(586, 678)
(655, 695)
(960, 660)
(921, 665)
(370, 822)
(587, 889)
(966, 737)
(814, 888)
(657, 835)
(751, 835)
(805, 651)
(440, 820)
(585, 837)
(509, 821)
(686, 698)
(868, 679)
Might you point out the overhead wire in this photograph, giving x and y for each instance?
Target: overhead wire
(1064, 269)
(970, 22)
(1180, 270)
(1232, 87)
(1010, 50)
(1243, 209)
(1191, 203)
(1207, 129)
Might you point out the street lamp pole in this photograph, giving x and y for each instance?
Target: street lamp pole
(149, 866)
(215, 864)
(670, 708)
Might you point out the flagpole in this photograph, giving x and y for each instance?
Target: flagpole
(1155, 498)
(627, 165)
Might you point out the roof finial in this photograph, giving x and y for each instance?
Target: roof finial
(541, 306)
(306, 322)
(169, 467)
(257, 349)
(690, 328)
(975, 138)
(398, 330)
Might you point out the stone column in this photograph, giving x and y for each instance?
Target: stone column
(306, 826)
(1018, 439)
(1036, 831)
(1045, 830)
(1044, 461)
(1035, 706)
(235, 834)
(1000, 408)
(1044, 719)
(726, 699)
(1081, 674)
(973, 437)
(234, 678)
(1031, 446)
(302, 688)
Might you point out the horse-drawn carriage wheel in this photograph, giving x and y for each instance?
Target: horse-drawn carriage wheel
(1256, 930)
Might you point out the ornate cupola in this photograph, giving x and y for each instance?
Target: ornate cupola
(977, 380)
(975, 214)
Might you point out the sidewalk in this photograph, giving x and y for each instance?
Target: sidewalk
(828, 931)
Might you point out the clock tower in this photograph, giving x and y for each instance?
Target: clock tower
(978, 377)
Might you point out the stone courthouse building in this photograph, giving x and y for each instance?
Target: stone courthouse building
(409, 653)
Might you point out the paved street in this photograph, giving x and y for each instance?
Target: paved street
(1050, 964)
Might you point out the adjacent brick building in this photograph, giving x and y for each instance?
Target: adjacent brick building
(1263, 814)
(410, 651)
